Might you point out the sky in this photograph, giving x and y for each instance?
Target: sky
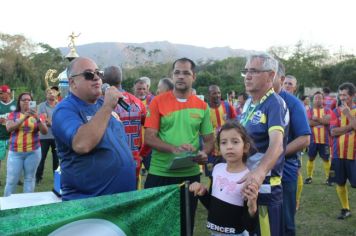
(249, 24)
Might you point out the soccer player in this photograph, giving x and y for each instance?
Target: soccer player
(343, 131)
(142, 92)
(220, 112)
(329, 101)
(319, 119)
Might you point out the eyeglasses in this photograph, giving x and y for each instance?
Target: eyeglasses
(244, 72)
(89, 75)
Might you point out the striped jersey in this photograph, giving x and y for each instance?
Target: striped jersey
(320, 133)
(218, 116)
(148, 99)
(178, 121)
(26, 137)
(133, 121)
(343, 146)
(329, 102)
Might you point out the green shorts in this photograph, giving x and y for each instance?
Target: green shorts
(3, 149)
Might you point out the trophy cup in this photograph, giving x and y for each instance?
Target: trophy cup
(72, 53)
(62, 78)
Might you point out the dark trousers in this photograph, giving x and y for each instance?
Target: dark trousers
(289, 205)
(147, 161)
(156, 181)
(45, 145)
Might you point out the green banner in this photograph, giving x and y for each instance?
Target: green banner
(154, 211)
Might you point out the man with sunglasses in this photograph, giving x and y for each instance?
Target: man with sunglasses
(94, 156)
(266, 120)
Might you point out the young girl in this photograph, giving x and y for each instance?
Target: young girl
(231, 211)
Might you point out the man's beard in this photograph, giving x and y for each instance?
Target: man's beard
(216, 101)
(183, 90)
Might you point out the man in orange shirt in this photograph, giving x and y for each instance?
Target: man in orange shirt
(173, 125)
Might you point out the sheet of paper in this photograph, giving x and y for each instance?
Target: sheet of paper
(28, 199)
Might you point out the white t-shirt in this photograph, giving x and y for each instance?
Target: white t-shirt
(225, 185)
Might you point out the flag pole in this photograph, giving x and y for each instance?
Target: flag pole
(187, 209)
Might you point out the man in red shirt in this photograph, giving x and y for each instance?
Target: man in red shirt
(134, 119)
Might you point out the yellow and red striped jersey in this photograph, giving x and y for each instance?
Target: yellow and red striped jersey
(218, 116)
(26, 137)
(320, 133)
(343, 146)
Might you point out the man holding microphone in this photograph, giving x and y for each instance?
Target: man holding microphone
(94, 156)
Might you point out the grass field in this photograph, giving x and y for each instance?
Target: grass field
(317, 214)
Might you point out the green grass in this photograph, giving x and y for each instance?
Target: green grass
(46, 184)
(320, 206)
(317, 214)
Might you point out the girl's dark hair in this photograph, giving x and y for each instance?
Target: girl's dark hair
(233, 124)
(18, 108)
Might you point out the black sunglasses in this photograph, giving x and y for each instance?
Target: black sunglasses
(89, 75)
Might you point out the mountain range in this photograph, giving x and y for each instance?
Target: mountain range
(133, 54)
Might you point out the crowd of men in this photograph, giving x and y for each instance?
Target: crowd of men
(100, 143)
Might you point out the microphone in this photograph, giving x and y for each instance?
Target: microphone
(121, 101)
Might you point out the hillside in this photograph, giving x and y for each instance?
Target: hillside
(132, 54)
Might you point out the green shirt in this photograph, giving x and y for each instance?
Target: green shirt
(5, 109)
(177, 122)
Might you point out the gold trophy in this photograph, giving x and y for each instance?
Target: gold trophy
(62, 77)
(72, 53)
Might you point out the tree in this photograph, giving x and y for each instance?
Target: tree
(334, 75)
(303, 62)
(226, 74)
(47, 58)
(23, 64)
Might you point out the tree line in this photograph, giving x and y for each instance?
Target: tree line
(23, 65)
